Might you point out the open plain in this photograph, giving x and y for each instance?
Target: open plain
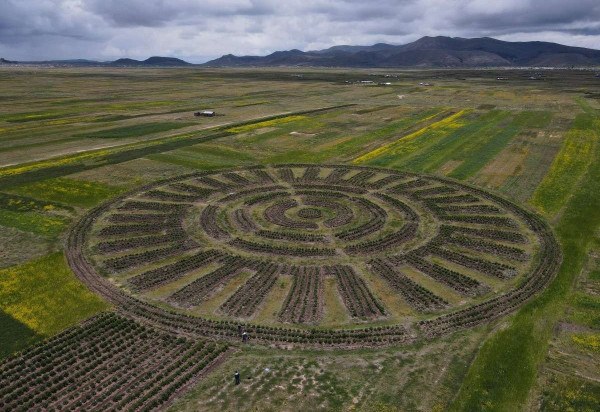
(387, 239)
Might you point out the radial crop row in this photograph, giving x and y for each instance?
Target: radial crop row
(304, 303)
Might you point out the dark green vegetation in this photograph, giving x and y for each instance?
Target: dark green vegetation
(14, 335)
(135, 130)
(535, 142)
(63, 192)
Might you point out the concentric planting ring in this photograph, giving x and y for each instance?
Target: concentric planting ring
(306, 254)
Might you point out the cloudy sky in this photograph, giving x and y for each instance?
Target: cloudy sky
(199, 30)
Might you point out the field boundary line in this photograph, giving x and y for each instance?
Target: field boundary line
(215, 363)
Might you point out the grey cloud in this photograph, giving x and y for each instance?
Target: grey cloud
(21, 20)
(364, 11)
(153, 13)
(198, 30)
(531, 15)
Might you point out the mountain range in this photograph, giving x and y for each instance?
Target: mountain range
(437, 52)
(427, 52)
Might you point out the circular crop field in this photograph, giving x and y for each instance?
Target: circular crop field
(328, 255)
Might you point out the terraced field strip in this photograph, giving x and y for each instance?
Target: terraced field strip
(64, 191)
(68, 164)
(78, 113)
(569, 378)
(54, 131)
(204, 156)
(15, 335)
(529, 172)
(521, 165)
(38, 223)
(266, 123)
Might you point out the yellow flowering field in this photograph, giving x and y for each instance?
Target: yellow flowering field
(45, 295)
(33, 222)
(53, 162)
(576, 153)
(403, 144)
(266, 123)
(588, 341)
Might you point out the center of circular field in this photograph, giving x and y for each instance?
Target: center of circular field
(310, 213)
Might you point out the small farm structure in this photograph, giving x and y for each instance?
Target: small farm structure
(205, 113)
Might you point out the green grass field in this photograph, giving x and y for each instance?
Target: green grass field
(69, 192)
(65, 150)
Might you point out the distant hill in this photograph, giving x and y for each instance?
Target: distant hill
(151, 61)
(155, 61)
(435, 52)
(427, 52)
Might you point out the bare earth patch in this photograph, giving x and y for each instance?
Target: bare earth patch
(449, 166)
(300, 134)
(504, 165)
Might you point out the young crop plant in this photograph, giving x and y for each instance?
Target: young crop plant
(108, 363)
